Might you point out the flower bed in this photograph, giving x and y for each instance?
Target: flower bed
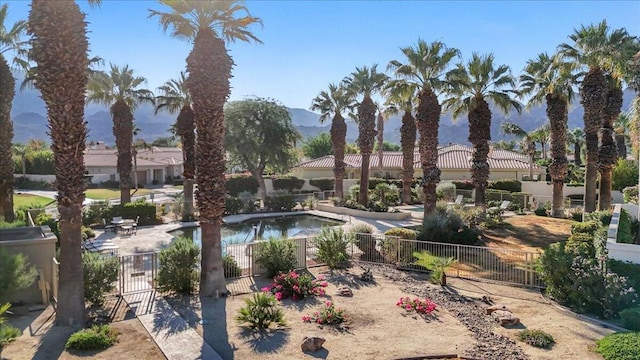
(296, 286)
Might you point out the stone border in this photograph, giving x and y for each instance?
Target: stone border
(364, 214)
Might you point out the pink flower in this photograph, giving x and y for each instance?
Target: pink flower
(319, 321)
(296, 288)
(321, 277)
(279, 296)
(266, 289)
(295, 297)
(324, 284)
(306, 318)
(328, 303)
(294, 275)
(408, 307)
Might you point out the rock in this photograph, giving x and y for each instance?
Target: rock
(312, 343)
(505, 318)
(366, 276)
(344, 291)
(496, 307)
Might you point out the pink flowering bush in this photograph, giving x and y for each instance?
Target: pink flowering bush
(425, 307)
(296, 286)
(330, 315)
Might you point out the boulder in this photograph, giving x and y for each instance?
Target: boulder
(505, 318)
(312, 343)
(496, 307)
(344, 291)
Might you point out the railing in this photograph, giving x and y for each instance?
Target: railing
(138, 272)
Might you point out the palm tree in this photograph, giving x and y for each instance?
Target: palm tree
(470, 86)
(335, 102)
(10, 39)
(59, 49)
(542, 134)
(120, 90)
(401, 96)
(527, 143)
(425, 67)
(138, 144)
(621, 128)
(380, 136)
(175, 99)
(365, 82)
(551, 80)
(208, 24)
(576, 138)
(603, 52)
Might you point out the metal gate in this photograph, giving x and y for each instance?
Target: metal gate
(138, 272)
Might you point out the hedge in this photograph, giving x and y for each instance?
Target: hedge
(324, 184)
(375, 181)
(463, 185)
(510, 185)
(289, 183)
(146, 212)
(237, 184)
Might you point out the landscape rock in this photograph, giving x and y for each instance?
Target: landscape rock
(344, 291)
(366, 276)
(505, 318)
(312, 343)
(496, 307)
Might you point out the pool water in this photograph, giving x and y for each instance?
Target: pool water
(265, 228)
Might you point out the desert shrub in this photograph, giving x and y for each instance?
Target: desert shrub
(624, 174)
(353, 204)
(537, 338)
(110, 184)
(619, 346)
(398, 245)
(24, 183)
(238, 184)
(232, 205)
(403, 233)
(100, 273)
(385, 194)
(178, 270)
(353, 192)
(580, 244)
(329, 315)
(289, 183)
(98, 337)
(360, 235)
(588, 227)
(625, 234)
(373, 182)
(10, 225)
(231, 267)
(510, 185)
(260, 312)
(88, 233)
(95, 213)
(450, 227)
(463, 185)
(541, 211)
(603, 216)
(8, 333)
(16, 273)
(378, 206)
(576, 214)
(293, 285)
(332, 247)
(628, 270)
(277, 255)
(281, 201)
(630, 194)
(446, 191)
(631, 318)
(324, 184)
(424, 307)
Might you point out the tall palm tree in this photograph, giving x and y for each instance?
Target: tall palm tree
(10, 39)
(175, 99)
(621, 128)
(366, 82)
(470, 86)
(603, 52)
(119, 89)
(59, 49)
(382, 117)
(527, 142)
(335, 101)
(576, 138)
(401, 96)
(551, 80)
(542, 134)
(209, 24)
(426, 65)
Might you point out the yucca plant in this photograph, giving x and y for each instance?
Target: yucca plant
(260, 312)
(8, 333)
(332, 247)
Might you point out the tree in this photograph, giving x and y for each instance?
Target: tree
(551, 80)
(164, 141)
(621, 128)
(387, 146)
(259, 133)
(527, 143)
(426, 67)
(175, 98)
(366, 82)
(138, 144)
(119, 89)
(541, 134)
(603, 52)
(317, 146)
(576, 138)
(59, 49)
(10, 39)
(208, 24)
(335, 101)
(470, 86)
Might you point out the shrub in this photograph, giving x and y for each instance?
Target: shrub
(110, 184)
(630, 194)
(238, 184)
(401, 233)
(95, 213)
(624, 174)
(510, 185)
(15, 273)
(588, 227)
(295, 286)
(8, 333)
(88, 233)
(145, 212)
(178, 269)
(231, 267)
(232, 205)
(260, 312)
(289, 183)
(384, 194)
(10, 225)
(537, 338)
(329, 315)
(541, 211)
(463, 185)
(324, 184)
(626, 269)
(394, 247)
(619, 346)
(360, 234)
(98, 337)
(631, 318)
(603, 216)
(277, 255)
(373, 182)
(576, 214)
(24, 183)
(436, 264)
(424, 307)
(280, 202)
(332, 247)
(446, 191)
(100, 273)
(625, 234)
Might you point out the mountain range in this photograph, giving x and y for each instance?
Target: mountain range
(29, 119)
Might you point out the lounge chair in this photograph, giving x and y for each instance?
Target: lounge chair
(504, 206)
(458, 201)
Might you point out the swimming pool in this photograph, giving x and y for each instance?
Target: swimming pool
(265, 228)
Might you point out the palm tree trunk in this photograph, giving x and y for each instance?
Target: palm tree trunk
(621, 144)
(363, 196)
(479, 136)
(59, 48)
(187, 215)
(380, 140)
(408, 142)
(367, 132)
(577, 155)
(123, 131)
(209, 67)
(427, 121)
(594, 100)
(338, 141)
(187, 135)
(7, 92)
(557, 112)
(608, 154)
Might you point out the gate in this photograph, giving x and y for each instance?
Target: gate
(138, 272)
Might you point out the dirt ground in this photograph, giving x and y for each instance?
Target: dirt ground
(528, 232)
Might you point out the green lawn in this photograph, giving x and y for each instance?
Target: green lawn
(105, 194)
(20, 200)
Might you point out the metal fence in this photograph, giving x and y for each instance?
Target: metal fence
(138, 272)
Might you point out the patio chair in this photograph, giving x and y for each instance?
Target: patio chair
(134, 226)
(458, 201)
(504, 206)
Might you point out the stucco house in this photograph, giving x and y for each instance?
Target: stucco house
(454, 160)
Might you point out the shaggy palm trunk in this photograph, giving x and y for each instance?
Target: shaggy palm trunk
(367, 132)
(123, 131)
(209, 66)
(621, 144)
(380, 129)
(479, 136)
(186, 131)
(577, 156)
(594, 100)
(557, 111)
(408, 142)
(427, 120)
(338, 142)
(7, 91)
(59, 49)
(608, 154)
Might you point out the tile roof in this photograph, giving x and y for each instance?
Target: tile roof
(158, 157)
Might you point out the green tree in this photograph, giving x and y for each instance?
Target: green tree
(16, 273)
(470, 86)
(164, 141)
(624, 174)
(317, 146)
(259, 132)
(386, 146)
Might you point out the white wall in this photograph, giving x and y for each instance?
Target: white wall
(37, 177)
(622, 252)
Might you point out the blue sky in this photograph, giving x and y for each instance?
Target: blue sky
(308, 44)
